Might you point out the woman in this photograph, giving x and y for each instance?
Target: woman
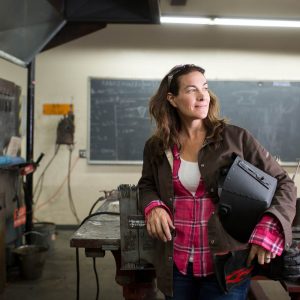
(179, 185)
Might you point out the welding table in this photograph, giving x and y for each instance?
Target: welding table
(102, 233)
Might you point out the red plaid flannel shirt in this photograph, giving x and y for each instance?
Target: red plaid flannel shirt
(191, 217)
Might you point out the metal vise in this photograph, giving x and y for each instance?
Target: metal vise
(136, 245)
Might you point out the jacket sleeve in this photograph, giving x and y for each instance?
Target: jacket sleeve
(147, 185)
(283, 205)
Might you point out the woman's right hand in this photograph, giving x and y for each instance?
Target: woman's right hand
(159, 224)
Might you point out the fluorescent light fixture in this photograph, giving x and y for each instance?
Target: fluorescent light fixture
(230, 22)
(256, 22)
(185, 20)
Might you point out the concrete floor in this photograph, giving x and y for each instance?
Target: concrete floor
(59, 278)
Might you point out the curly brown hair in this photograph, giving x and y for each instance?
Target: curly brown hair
(168, 124)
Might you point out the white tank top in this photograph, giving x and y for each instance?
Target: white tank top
(189, 175)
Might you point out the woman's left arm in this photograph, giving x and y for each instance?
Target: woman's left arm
(283, 206)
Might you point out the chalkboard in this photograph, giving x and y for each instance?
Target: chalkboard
(269, 110)
(120, 123)
(119, 119)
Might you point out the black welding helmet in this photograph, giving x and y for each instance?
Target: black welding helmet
(245, 193)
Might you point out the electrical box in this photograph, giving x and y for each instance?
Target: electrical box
(65, 130)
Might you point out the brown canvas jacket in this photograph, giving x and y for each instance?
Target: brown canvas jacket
(156, 183)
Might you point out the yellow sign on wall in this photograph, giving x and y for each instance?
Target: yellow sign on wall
(57, 109)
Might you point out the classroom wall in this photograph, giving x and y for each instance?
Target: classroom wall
(130, 51)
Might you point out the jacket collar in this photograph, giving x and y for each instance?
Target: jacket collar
(214, 139)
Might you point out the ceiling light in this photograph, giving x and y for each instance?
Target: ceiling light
(231, 22)
(185, 20)
(256, 22)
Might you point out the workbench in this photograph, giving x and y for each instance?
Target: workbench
(102, 233)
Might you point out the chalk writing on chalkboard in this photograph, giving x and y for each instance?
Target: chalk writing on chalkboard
(120, 123)
(119, 119)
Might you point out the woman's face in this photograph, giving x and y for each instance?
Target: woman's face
(192, 101)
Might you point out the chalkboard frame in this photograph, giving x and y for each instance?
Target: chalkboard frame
(139, 162)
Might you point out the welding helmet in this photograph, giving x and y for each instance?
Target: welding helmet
(245, 193)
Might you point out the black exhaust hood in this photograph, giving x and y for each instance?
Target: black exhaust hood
(30, 26)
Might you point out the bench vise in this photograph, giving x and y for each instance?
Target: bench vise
(137, 247)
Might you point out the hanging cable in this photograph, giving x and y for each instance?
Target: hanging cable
(71, 202)
(40, 181)
(96, 276)
(106, 195)
(96, 202)
(98, 213)
(59, 188)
